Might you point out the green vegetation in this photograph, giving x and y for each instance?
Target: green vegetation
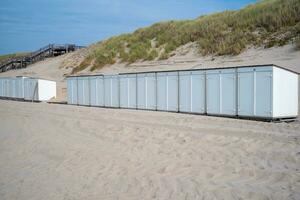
(298, 43)
(267, 23)
(3, 58)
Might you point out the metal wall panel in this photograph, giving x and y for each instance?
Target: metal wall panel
(151, 97)
(11, 88)
(192, 91)
(228, 92)
(221, 92)
(172, 91)
(185, 91)
(167, 91)
(6, 87)
(31, 89)
(146, 91)
(132, 96)
(27, 90)
(128, 91)
(198, 92)
(83, 91)
(69, 91)
(8, 92)
(246, 92)
(72, 90)
(162, 91)
(1, 87)
(111, 88)
(284, 101)
(20, 87)
(213, 92)
(124, 91)
(141, 91)
(97, 90)
(2, 91)
(115, 91)
(255, 92)
(263, 105)
(107, 91)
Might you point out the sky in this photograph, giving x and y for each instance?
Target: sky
(27, 25)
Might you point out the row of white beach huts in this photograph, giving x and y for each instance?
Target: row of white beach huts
(262, 91)
(27, 88)
(268, 91)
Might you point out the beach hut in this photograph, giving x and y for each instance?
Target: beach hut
(267, 91)
(262, 91)
(36, 89)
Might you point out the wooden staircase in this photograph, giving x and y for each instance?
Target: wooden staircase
(42, 53)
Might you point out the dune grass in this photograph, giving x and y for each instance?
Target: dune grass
(298, 43)
(267, 23)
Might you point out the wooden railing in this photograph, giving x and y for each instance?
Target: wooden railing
(49, 50)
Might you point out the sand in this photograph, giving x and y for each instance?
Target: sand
(186, 57)
(67, 152)
(50, 151)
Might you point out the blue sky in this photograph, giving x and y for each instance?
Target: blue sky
(27, 25)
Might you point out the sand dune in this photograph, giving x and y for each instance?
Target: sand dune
(186, 57)
(68, 152)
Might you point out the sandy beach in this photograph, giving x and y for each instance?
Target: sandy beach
(50, 151)
(231, 58)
